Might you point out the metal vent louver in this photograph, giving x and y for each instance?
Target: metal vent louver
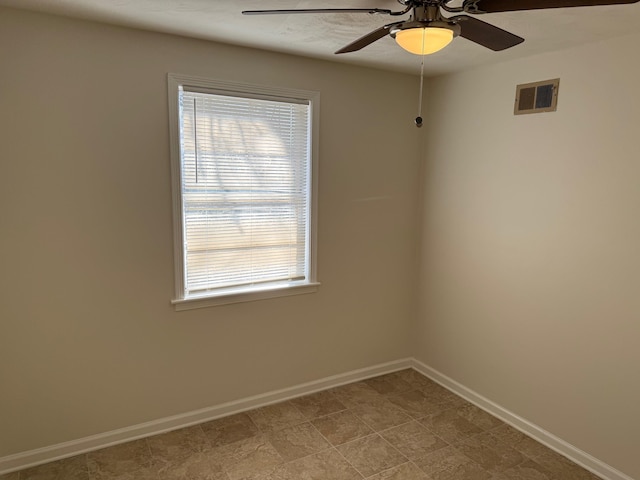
(537, 97)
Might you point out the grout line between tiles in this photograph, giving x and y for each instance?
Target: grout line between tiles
(347, 460)
(523, 457)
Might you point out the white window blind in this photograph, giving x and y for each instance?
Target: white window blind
(245, 185)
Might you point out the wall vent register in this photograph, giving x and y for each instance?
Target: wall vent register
(537, 97)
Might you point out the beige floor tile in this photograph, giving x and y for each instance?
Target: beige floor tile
(463, 471)
(450, 464)
(297, 441)
(406, 471)
(528, 470)
(413, 440)
(417, 404)
(355, 394)
(10, 476)
(197, 466)
(318, 404)
(371, 455)
(478, 417)
(389, 384)
(119, 460)
(277, 416)
(450, 426)
(326, 465)
(439, 394)
(271, 473)
(150, 472)
(490, 453)
(74, 468)
(341, 427)
(563, 468)
(415, 379)
(521, 442)
(425, 432)
(247, 457)
(178, 443)
(229, 429)
(381, 415)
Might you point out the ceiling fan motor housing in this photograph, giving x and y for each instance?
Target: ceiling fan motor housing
(426, 16)
(426, 24)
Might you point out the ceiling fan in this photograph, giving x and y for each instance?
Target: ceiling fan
(428, 31)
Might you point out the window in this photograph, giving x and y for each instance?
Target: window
(243, 166)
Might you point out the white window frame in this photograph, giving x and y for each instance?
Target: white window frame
(241, 294)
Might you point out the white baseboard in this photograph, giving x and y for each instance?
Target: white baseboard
(39, 456)
(574, 454)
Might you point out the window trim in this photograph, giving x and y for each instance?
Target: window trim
(237, 294)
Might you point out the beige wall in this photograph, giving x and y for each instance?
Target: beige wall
(530, 245)
(529, 264)
(88, 339)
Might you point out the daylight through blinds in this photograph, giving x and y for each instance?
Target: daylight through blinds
(245, 190)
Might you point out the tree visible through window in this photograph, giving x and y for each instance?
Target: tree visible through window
(245, 191)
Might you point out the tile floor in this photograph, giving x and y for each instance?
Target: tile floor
(400, 426)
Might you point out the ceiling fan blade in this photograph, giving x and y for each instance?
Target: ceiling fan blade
(318, 10)
(492, 6)
(368, 39)
(486, 34)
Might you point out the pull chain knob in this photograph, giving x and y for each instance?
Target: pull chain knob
(418, 119)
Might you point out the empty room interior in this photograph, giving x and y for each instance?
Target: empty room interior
(469, 302)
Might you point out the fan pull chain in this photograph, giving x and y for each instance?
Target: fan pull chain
(419, 117)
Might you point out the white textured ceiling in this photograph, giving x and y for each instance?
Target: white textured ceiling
(319, 35)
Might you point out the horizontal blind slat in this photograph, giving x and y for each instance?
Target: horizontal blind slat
(245, 166)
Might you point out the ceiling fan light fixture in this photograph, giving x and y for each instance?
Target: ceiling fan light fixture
(424, 40)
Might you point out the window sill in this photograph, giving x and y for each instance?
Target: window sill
(226, 298)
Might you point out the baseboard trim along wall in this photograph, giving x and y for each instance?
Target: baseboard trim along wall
(574, 454)
(39, 456)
